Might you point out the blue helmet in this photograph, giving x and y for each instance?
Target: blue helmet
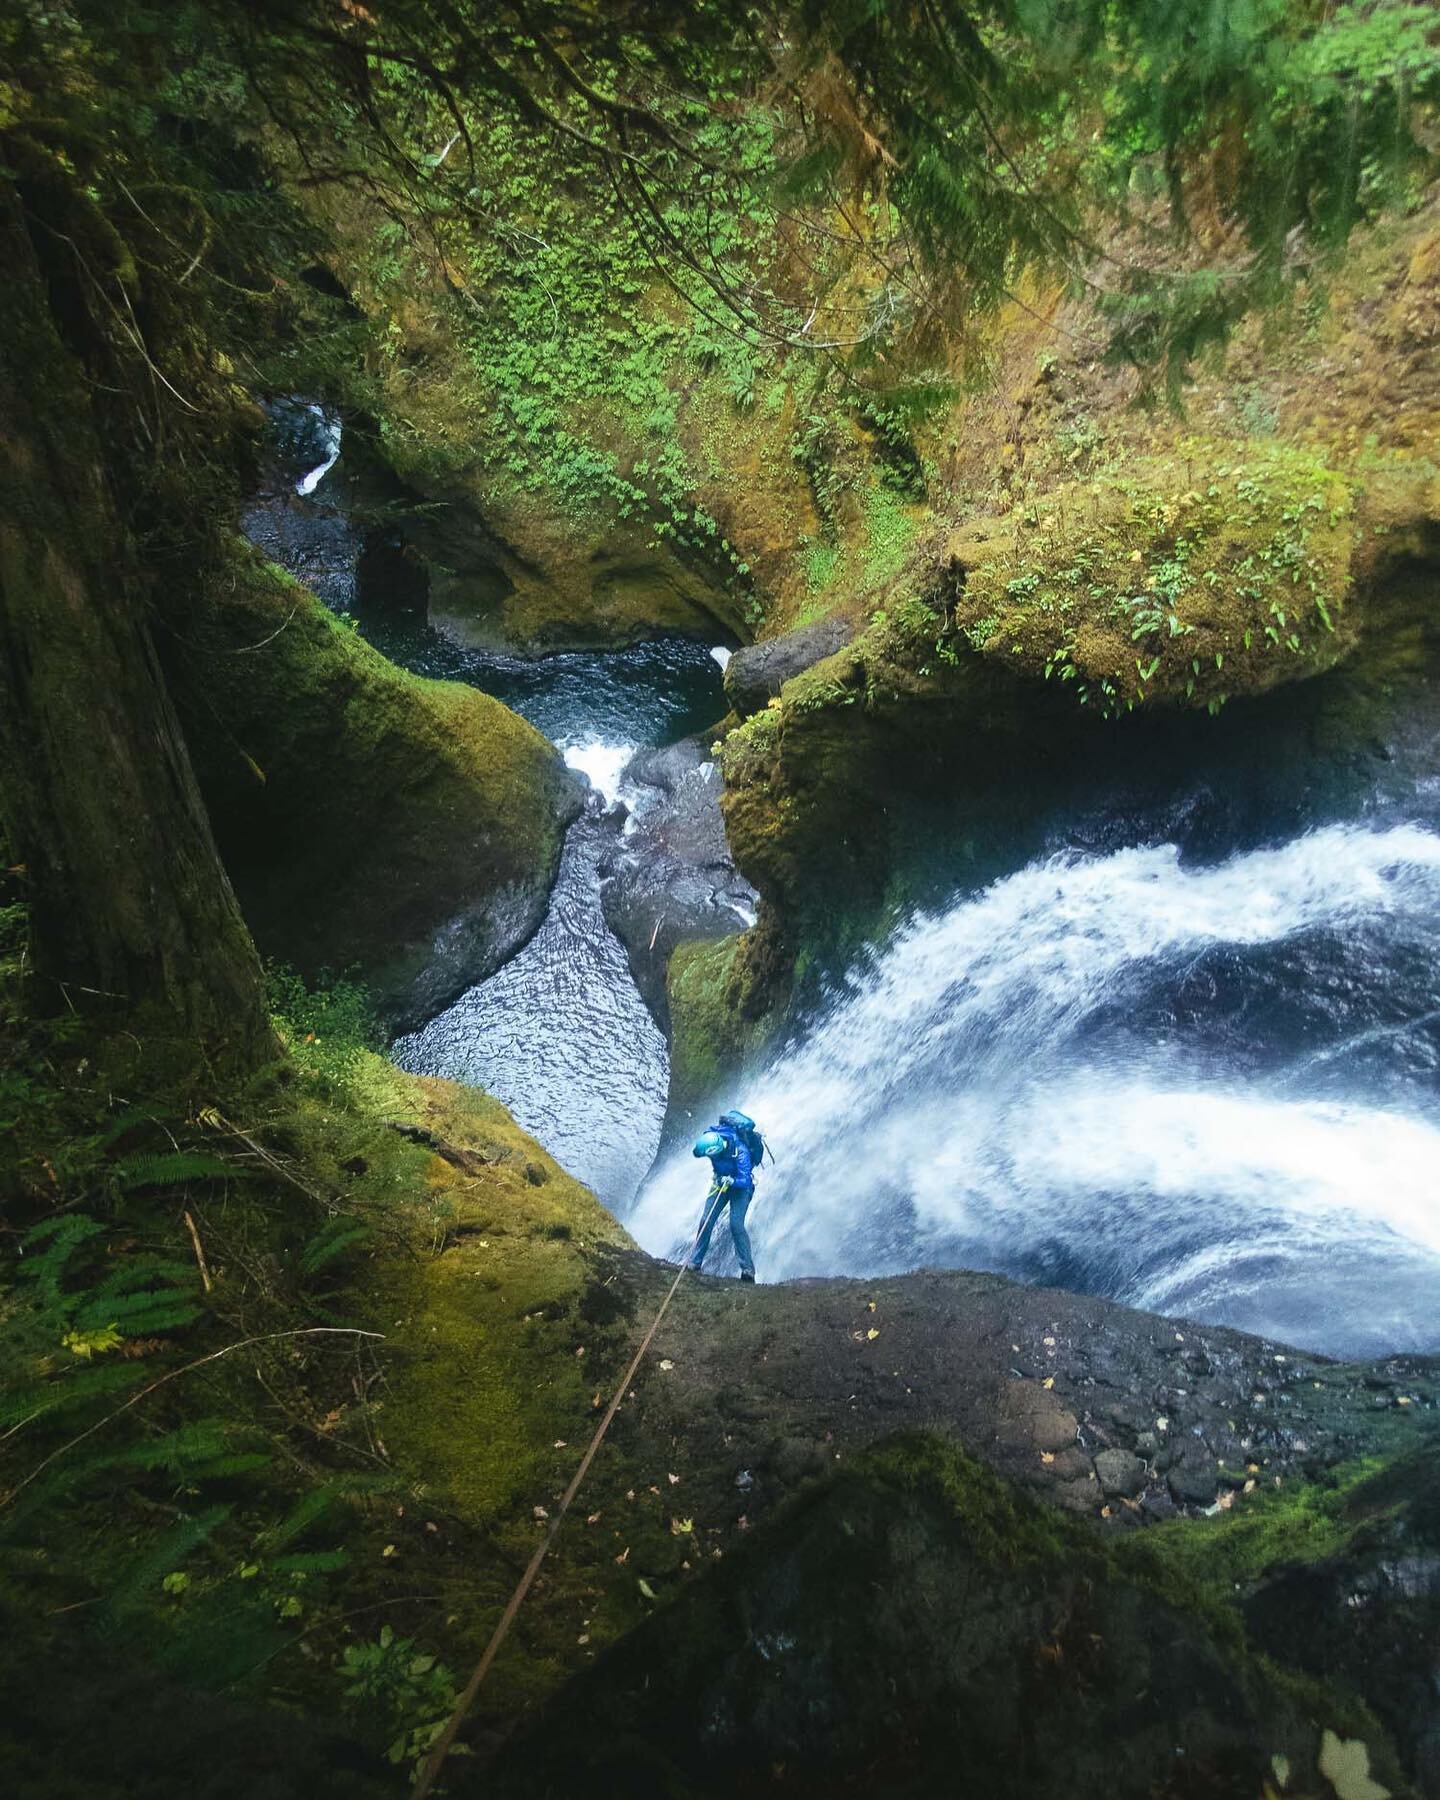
(710, 1143)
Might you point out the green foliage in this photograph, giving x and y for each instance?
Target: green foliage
(327, 1026)
(398, 1693)
(889, 532)
(1159, 580)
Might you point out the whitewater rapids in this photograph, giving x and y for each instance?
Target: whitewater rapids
(1208, 1091)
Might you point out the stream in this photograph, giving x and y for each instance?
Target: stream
(1190, 1070)
(560, 1033)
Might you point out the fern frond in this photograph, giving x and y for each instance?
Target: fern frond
(169, 1168)
(333, 1238)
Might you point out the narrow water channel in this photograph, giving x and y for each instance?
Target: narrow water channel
(560, 1033)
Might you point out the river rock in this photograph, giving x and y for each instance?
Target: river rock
(1120, 1473)
(757, 673)
(1193, 1477)
(670, 878)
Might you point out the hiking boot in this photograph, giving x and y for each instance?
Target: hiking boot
(748, 1275)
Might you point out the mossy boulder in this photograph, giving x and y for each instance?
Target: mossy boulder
(370, 819)
(914, 1626)
(1081, 645)
(1225, 569)
(670, 878)
(756, 674)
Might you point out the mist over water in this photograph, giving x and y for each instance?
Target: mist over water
(1203, 1091)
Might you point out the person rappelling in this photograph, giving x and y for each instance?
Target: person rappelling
(736, 1149)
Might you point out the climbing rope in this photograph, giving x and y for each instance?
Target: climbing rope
(444, 1743)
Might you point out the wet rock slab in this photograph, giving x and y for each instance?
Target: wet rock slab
(671, 878)
(1102, 1410)
(756, 674)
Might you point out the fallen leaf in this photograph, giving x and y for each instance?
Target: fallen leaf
(540, 1512)
(624, 1556)
(1162, 1424)
(593, 1519)
(871, 1335)
(389, 1550)
(681, 1527)
(665, 1363)
(1345, 1764)
(646, 1589)
(584, 1638)
(1105, 1512)
(673, 1479)
(870, 1304)
(1049, 1343)
(1048, 1382)
(1047, 1456)
(559, 1443)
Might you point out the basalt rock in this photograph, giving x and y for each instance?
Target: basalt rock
(986, 1590)
(370, 819)
(913, 1627)
(671, 879)
(757, 673)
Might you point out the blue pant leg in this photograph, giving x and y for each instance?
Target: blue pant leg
(708, 1217)
(740, 1199)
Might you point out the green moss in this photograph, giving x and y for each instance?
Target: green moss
(1221, 569)
(714, 1031)
(1004, 1529)
(370, 818)
(1216, 1559)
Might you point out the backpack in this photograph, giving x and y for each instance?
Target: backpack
(749, 1134)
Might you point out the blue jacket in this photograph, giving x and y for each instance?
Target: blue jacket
(736, 1164)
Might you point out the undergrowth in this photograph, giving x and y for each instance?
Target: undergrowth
(190, 1465)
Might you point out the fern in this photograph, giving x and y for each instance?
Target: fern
(310, 1562)
(169, 1168)
(332, 1239)
(58, 1239)
(146, 1574)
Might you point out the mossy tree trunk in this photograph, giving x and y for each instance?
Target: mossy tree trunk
(132, 913)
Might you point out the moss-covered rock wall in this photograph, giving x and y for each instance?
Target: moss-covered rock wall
(371, 820)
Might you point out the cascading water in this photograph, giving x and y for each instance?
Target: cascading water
(561, 1033)
(1203, 1091)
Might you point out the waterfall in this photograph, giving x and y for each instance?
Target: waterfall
(326, 432)
(1208, 1091)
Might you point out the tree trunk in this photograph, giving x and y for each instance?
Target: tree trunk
(132, 914)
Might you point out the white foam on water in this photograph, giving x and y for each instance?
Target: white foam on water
(958, 1104)
(722, 655)
(603, 765)
(308, 483)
